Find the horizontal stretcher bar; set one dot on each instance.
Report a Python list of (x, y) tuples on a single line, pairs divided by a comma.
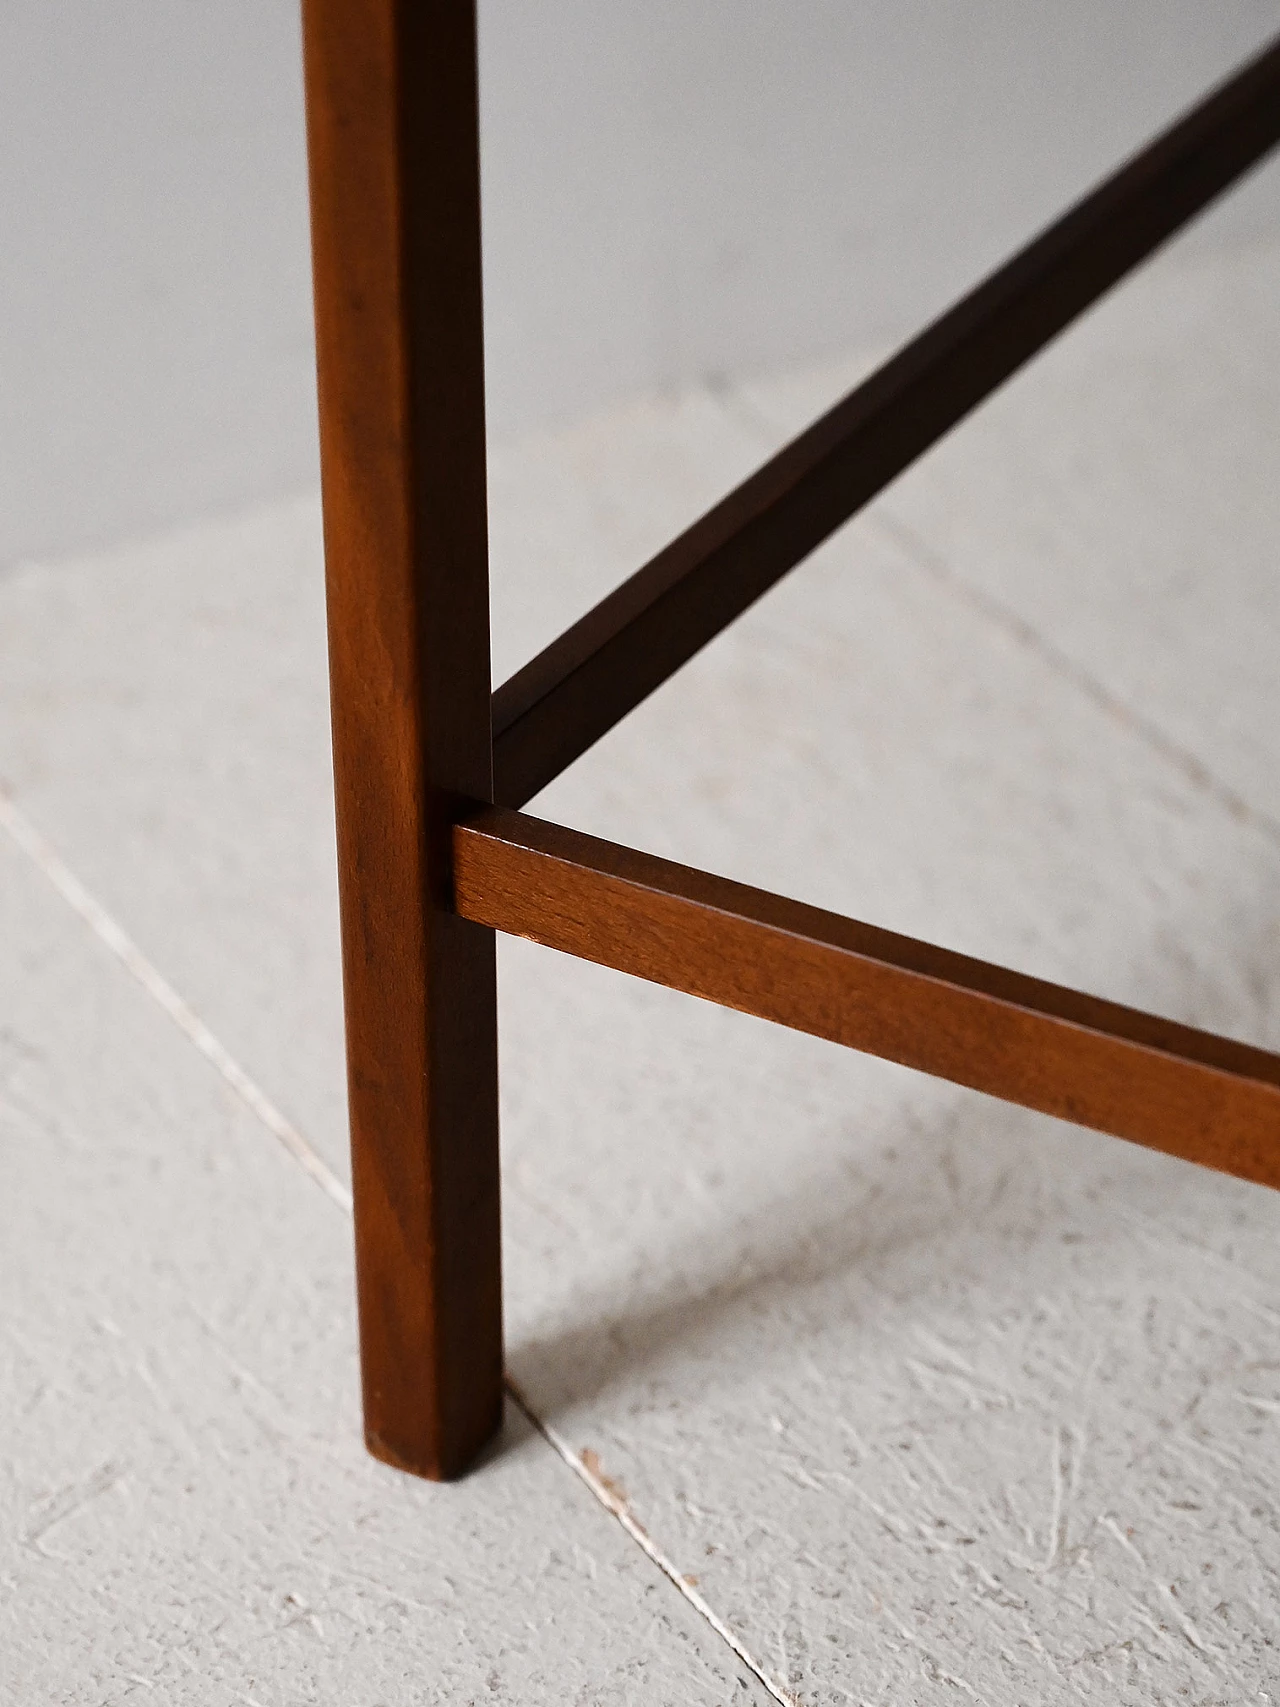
[(1188, 1093), (572, 693)]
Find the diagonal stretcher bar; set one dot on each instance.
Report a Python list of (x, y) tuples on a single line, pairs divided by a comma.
[(562, 702)]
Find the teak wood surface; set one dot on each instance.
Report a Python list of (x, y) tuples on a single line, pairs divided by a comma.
[(1169, 1087), (429, 869)]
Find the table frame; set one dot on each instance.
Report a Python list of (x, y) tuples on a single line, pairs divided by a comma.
[(431, 769)]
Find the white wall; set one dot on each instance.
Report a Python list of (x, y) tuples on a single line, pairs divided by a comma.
[(674, 187), (677, 186)]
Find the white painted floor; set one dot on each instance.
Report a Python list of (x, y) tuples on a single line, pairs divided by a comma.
[(924, 1398)]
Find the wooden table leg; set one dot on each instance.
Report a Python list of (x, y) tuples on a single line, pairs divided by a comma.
[(392, 127)]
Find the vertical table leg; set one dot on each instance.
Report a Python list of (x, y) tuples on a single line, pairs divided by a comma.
[(393, 138)]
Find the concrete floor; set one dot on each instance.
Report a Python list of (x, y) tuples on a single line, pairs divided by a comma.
[(903, 1396)]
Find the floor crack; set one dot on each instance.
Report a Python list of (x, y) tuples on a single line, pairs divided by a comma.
[(1192, 768), (36, 846), (1004, 617), (143, 971), (611, 1498)]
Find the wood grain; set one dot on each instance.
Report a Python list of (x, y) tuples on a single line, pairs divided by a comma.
[(1134, 1075), (574, 691), (392, 128)]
